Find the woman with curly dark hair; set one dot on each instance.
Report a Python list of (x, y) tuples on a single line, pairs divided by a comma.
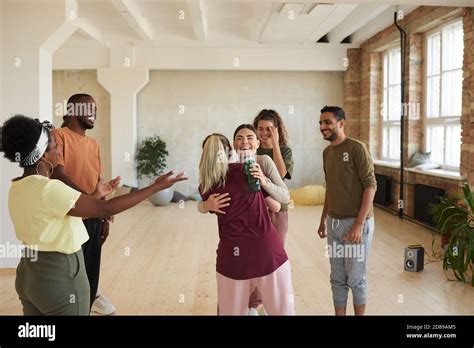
[(271, 132), (47, 218)]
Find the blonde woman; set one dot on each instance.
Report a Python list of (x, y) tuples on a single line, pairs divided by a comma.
[(250, 254)]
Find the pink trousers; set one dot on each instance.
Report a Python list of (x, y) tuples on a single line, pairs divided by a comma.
[(280, 220), (276, 290)]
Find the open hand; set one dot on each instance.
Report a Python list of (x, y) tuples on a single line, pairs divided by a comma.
[(167, 180), (216, 201), (105, 188), (275, 136)]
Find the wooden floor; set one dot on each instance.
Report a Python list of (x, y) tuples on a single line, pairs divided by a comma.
[(161, 260)]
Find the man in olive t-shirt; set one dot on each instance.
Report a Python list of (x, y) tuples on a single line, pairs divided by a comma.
[(348, 210)]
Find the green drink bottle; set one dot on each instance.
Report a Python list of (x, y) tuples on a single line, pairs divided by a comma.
[(254, 184)]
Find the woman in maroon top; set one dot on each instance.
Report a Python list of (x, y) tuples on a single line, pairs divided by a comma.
[(250, 253)]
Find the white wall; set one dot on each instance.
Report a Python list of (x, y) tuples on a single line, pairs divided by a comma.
[(218, 101), (67, 83), (24, 73)]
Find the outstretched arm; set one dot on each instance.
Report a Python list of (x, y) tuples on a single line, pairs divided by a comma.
[(87, 206)]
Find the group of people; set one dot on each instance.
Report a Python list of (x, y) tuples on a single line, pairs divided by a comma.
[(59, 206), (252, 265)]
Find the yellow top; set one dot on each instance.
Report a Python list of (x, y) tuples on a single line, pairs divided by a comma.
[(38, 208)]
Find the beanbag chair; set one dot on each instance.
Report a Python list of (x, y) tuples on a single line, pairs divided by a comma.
[(308, 195)]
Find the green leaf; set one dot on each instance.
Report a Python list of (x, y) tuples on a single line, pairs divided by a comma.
[(151, 157)]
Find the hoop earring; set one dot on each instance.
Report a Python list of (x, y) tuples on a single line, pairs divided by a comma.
[(47, 173)]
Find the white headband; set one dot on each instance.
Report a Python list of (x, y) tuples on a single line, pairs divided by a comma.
[(40, 147)]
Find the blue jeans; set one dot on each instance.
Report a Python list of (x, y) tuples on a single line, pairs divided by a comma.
[(348, 261)]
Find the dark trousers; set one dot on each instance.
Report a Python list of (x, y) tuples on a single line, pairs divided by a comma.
[(92, 251)]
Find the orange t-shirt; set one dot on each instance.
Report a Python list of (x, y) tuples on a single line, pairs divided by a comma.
[(80, 157)]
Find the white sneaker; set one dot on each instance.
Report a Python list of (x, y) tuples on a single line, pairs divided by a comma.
[(264, 312), (102, 306), (253, 311)]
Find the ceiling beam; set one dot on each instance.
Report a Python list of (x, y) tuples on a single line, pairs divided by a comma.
[(379, 23), (337, 14), (262, 16), (129, 9), (198, 19), (456, 3), (356, 20), (90, 29)]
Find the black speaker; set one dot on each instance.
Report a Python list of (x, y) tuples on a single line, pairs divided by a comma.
[(414, 258)]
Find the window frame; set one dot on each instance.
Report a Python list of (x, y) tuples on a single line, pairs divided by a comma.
[(386, 104), (444, 121)]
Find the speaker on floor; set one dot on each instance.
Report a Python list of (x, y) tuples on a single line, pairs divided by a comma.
[(414, 258)]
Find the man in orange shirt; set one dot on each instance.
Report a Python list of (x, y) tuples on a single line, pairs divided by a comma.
[(80, 167)]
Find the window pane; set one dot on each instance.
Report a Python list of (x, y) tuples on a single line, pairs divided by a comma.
[(434, 54), (435, 143), (394, 95), (453, 145), (452, 46), (394, 145), (385, 143), (394, 66), (432, 96), (451, 101), (385, 105)]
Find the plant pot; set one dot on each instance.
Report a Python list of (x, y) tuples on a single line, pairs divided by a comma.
[(445, 239), (162, 197)]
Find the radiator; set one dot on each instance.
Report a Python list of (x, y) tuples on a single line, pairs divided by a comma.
[(424, 195), (383, 196)]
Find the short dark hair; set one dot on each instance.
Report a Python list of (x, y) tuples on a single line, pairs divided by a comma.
[(242, 126), (337, 111), (19, 136), (75, 100)]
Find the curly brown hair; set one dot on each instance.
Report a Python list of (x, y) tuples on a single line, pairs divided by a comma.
[(272, 115)]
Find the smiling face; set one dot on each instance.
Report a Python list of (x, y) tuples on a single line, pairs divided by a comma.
[(246, 142), (86, 113), (329, 126), (264, 132)]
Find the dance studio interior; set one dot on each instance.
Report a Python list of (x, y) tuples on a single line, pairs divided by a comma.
[(164, 75)]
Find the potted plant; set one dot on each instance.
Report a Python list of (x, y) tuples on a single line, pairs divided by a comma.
[(456, 217), (435, 210), (151, 157)]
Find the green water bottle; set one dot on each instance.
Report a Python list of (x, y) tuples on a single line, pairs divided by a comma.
[(254, 184)]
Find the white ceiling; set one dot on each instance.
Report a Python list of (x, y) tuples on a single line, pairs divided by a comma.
[(239, 23)]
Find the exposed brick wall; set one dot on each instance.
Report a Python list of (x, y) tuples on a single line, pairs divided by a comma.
[(413, 96), (368, 60), (352, 93), (370, 99), (467, 118)]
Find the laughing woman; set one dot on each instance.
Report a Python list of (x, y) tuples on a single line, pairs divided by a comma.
[(273, 142), (250, 253), (46, 214)]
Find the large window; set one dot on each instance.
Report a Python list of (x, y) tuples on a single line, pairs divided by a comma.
[(444, 55), (391, 105)]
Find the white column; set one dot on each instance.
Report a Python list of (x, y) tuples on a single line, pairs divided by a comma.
[(123, 81), (26, 76)]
